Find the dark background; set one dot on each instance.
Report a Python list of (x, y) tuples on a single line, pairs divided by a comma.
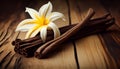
[(8, 7)]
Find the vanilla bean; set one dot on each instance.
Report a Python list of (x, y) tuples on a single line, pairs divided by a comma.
[(95, 29), (27, 51), (47, 47), (27, 47), (93, 21), (100, 18)]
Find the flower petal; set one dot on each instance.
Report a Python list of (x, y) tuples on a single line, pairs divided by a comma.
[(30, 32), (56, 15), (33, 13), (35, 32), (45, 9), (26, 21), (43, 33), (55, 29), (25, 28)]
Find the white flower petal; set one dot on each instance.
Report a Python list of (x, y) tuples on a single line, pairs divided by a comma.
[(55, 29), (44, 16), (30, 32), (56, 15), (25, 28), (43, 33), (45, 9), (26, 21), (33, 13), (35, 32)]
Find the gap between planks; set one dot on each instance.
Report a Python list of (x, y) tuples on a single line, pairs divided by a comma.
[(90, 51)]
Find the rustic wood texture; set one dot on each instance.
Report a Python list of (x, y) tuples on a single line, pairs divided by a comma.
[(90, 48), (98, 51)]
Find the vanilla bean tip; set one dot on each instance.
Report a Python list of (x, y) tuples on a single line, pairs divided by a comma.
[(106, 15), (91, 11), (13, 43), (16, 42), (38, 55)]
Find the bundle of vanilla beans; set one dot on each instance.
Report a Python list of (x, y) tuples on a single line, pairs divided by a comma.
[(35, 47)]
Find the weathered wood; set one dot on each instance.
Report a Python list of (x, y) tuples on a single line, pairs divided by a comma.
[(8, 62), (113, 48), (5, 31), (7, 47), (90, 51), (7, 35), (112, 40), (17, 63), (4, 60)]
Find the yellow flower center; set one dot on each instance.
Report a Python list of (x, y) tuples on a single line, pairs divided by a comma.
[(42, 21)]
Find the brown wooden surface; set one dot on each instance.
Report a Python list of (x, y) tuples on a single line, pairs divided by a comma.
[(98, 51)]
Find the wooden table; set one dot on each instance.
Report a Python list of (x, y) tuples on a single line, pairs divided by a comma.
[(98, 51)]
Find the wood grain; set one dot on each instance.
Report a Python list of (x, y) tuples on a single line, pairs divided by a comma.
[(90, 51), (112, 40), (6, 57), (98, 51)]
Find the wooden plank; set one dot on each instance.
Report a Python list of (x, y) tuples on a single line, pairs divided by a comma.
[(4, 31), (62, 58), (7, 55), (97, 51), (5, 59), (8, 29), (114, 46), (90, 51), (1, 26), (74, 18), (8, 61)]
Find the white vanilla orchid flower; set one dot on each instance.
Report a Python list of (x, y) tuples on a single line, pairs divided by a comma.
[(40, 22)]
